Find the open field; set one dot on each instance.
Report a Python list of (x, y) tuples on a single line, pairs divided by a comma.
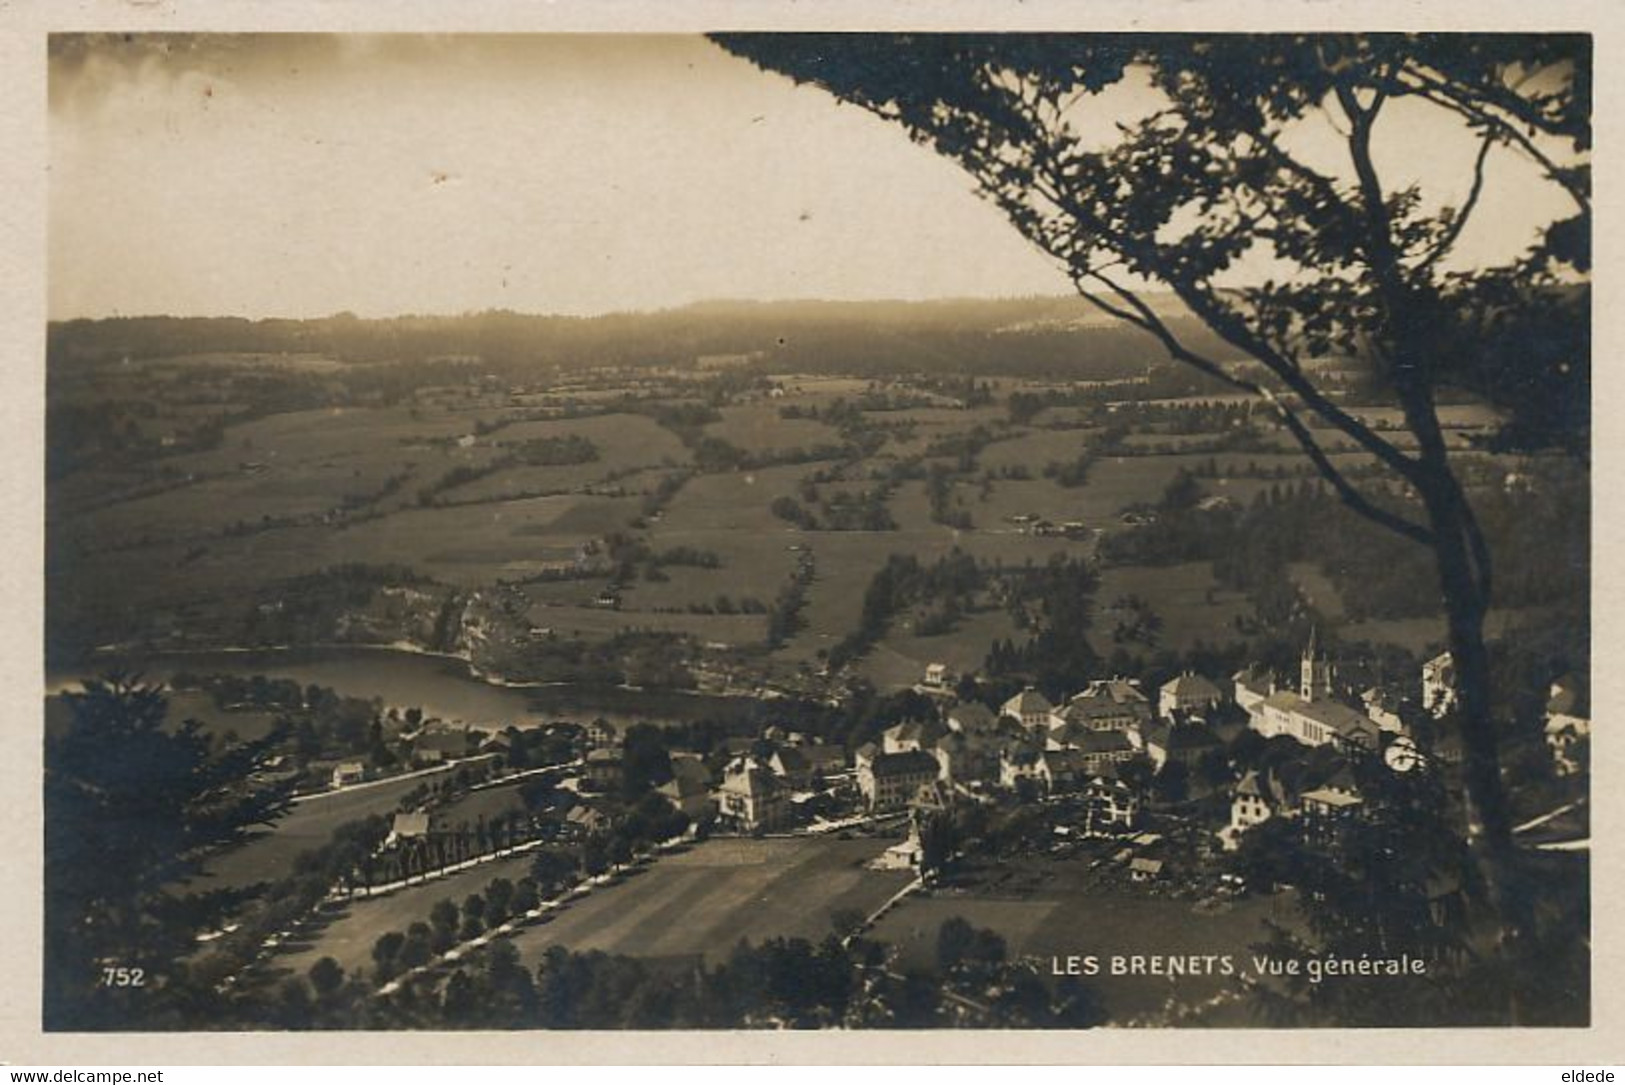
[(732, 500), (1317, 588), (699, 903), (487, 802), (846, 562), (131, 556), (595, 623), (1116, 482), (1190, 602), (1059, 913), (727, 515), (176, 562), (1034, 449), (1426, 635), (625, 443), (270, 855), (900, 659), (757, 427), (352, 929), (703, 902), (469, 546)]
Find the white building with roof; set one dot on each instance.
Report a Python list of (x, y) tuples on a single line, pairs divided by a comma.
[(1106, 704), (1030, 708), (751, 797), (1439, 685), (1188, 693)]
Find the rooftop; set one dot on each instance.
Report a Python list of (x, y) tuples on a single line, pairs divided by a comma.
[(912, 762)]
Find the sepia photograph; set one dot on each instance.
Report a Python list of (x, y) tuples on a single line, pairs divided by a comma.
[(817, 531)]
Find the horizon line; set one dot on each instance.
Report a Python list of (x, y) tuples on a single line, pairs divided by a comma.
[(956, 299)]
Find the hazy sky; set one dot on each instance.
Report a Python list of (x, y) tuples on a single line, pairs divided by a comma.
[(263, 175)]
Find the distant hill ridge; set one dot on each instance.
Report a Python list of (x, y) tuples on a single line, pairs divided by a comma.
[(1051, 336)]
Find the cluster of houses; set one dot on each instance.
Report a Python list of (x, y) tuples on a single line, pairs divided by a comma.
[(1033, 747), (434, 743), (765, 784), (1033, 524), (1567, 729), (1079, 746)]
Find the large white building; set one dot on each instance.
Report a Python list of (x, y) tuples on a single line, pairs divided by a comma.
[(1106, 704), (1308, 714), (891, 781), (751, 797), (1188, 693), (1030, 708)]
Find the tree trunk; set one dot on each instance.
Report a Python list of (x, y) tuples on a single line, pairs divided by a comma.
[(1489, 823)]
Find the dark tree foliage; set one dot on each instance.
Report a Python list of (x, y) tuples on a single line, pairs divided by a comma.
[(781, 983), (1395, 882), (133, 807), (1211, 177)]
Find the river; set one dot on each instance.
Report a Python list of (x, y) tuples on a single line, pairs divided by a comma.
[(439, 685)]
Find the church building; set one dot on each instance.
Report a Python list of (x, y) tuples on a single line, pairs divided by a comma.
[(1310, 714)]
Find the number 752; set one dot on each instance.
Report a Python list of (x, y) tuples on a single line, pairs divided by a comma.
[(124, 977)]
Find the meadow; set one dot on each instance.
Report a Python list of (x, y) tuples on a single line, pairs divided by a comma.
[(1191, 604), (1060, 910), (190, 540), (703, 902), (684, 907)]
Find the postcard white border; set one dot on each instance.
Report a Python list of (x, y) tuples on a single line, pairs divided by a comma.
[(23, 30)]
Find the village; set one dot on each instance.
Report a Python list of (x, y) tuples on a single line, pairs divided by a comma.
[(1175, 779)]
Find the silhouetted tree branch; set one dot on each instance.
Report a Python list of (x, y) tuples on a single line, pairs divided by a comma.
[(1204, 184)]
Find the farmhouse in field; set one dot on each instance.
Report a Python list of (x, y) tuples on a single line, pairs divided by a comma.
[(349, 772), (406, 827)]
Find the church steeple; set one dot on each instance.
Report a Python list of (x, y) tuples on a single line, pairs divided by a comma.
[(1315, 682)]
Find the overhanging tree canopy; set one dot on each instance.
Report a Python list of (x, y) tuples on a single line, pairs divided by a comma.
[(1207, 190)]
